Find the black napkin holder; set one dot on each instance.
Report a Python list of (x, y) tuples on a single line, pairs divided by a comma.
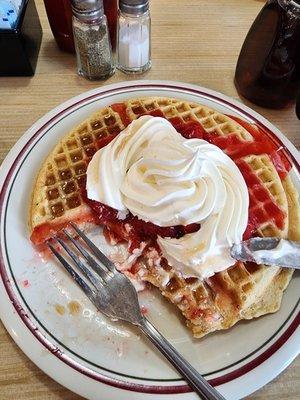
[(19, 46)]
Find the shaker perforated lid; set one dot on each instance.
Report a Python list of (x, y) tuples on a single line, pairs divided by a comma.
[(91, 8), (134, 7)]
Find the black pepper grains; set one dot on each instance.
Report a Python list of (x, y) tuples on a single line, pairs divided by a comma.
[(92, 42)]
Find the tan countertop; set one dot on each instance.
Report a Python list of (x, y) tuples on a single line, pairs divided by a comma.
[(193, 41)]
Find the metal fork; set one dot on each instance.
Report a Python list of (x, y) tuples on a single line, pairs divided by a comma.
[(114, 295)]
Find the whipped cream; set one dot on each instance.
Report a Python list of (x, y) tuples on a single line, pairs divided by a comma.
[(161, 177)]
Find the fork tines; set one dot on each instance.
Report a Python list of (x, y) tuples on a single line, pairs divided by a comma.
[(101, 268)]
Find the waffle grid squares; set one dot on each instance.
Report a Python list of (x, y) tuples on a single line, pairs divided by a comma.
[(211, 120), (263, 168), (197, 299), (218, 300), (66, 171)]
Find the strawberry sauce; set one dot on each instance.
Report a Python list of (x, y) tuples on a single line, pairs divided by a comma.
[(132, 228), (262, 207)]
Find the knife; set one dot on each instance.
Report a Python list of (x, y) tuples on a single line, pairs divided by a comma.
[(269, 251)]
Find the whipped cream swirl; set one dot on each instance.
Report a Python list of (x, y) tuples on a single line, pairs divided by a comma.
[(161, 177)]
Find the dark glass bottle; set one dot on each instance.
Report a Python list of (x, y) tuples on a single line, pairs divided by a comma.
[(59, 14), (268, 68), (298, 106), (111, 12)]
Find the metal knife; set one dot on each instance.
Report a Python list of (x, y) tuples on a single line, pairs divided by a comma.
[(269, 251)]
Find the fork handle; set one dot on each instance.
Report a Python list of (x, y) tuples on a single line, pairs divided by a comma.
[(193, 378)]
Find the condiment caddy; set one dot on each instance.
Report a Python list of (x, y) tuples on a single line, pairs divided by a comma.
[(95, 59)]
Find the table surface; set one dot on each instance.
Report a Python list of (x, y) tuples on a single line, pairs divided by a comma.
[(192, 41)]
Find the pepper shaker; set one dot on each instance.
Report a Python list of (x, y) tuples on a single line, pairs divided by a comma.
[(134, 36), (92, 42)]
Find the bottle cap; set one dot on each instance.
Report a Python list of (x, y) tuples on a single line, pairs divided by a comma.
[(134, 7), (87, 8)]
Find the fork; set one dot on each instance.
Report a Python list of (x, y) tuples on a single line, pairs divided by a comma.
[(114, 295)]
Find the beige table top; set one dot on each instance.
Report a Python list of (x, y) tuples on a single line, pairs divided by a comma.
[(193, 41)]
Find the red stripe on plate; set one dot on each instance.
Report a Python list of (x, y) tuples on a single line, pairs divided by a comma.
[(151, 389)]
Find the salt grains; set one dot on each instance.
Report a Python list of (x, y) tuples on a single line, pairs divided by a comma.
[(134, 36)]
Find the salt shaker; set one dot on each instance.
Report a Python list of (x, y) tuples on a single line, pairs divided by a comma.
[(91, 37), (134, 36)]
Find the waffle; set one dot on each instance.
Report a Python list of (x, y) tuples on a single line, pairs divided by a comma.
[(56, 195), (243, 291)]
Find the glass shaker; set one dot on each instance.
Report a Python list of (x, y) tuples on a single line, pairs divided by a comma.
[(92, 42), (268, 68), (134, 36)]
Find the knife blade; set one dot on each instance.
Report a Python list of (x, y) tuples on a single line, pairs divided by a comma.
[(269, 251)]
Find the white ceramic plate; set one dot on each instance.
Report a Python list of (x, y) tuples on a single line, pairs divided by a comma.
[(83, 350)]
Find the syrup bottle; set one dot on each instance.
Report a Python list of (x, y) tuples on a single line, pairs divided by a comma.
[(268, 68), (298, 106), (59, 14), (111, 12)]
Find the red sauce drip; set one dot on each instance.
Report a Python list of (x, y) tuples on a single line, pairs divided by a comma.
[(132, 228), (263, 144), (144, 310), (112, 237), (190, 129), (262, 208), (44, 231), (155, 113), (102, 142), (121, 109)]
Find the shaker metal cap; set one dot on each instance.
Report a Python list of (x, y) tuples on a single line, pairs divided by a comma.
[(134, 7), (90, 8)]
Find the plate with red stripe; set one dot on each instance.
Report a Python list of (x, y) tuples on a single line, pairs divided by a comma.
[(57, 327)]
